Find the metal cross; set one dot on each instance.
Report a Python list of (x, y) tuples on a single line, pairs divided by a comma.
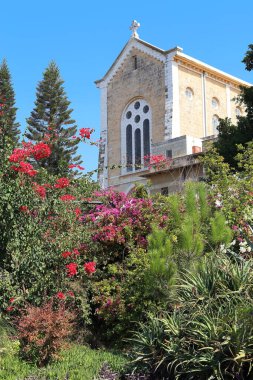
[(134, 26)]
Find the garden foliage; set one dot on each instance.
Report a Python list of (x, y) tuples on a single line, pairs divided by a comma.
[(179, 267)]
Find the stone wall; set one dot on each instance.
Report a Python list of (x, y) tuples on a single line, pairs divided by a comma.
[(146, 81)]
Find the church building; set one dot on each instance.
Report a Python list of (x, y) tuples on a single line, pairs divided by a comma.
[(159, 103)]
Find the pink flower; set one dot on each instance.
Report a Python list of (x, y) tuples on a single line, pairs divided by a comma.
[(12, 299), (70, 294), (90, 267)]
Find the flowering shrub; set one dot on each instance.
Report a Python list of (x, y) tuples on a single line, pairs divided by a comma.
[(158, 162), (38, 223), (121, 219), (43, 330)]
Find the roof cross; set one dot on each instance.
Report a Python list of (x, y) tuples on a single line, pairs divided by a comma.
[(134, 26)]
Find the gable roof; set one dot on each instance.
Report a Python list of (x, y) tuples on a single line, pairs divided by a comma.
[(133, 43), (160, 54)]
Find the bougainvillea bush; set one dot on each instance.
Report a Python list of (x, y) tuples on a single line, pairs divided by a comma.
[(140, 245), (42, 238)]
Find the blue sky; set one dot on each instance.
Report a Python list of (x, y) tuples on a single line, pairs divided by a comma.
[(84, 38)]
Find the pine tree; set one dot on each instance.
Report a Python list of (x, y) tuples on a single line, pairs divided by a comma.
[(51, 121), (9, 128)]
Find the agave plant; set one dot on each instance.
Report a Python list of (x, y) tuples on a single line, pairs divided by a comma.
[(209, 334)]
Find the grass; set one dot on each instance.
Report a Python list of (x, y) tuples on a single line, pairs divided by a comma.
[(76, 363)]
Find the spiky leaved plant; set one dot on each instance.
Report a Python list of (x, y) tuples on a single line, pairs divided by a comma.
[(209, 334)]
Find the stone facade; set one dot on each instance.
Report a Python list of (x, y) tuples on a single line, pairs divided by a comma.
[(185, 96)]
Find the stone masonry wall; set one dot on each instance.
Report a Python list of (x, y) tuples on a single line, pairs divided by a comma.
[(191, 113), (146, 81)]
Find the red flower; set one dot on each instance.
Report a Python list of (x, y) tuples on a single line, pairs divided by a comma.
[(25, 167), (61, 296), (90, 267), (76, 252), (70, 293), (85, 132), (23, 209), (12, 299), (40, 190), (67, 198), (78, 211), (80, 167), (61, 183), (71, 166), (66, 254), (10, 308), (71, 269), (19, 154), (41, 150)]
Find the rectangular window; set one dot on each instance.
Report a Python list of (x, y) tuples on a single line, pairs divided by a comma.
[(169, 153), (135, 62)]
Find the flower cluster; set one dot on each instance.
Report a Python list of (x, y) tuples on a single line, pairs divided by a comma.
[(40, 190), (10, 307), (61, 183), (19, 155), (26, 168), (158, 161), (85, 133), (66, 254), (121, 218), (63, 296), (67, 198), (41, 151), (71, 269), (37, 151), (90, 267)]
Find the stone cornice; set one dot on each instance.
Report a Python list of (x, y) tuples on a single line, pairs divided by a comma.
[(216, 74)]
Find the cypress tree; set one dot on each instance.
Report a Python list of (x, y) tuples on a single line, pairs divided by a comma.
[(51, 121), (9, 128)]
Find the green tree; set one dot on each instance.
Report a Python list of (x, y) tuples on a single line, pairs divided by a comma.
[(9, 128), (51, 121), (230, 135), (248, 59)]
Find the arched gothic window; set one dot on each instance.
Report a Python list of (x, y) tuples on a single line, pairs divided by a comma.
[(215, 123), (135, 135)]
